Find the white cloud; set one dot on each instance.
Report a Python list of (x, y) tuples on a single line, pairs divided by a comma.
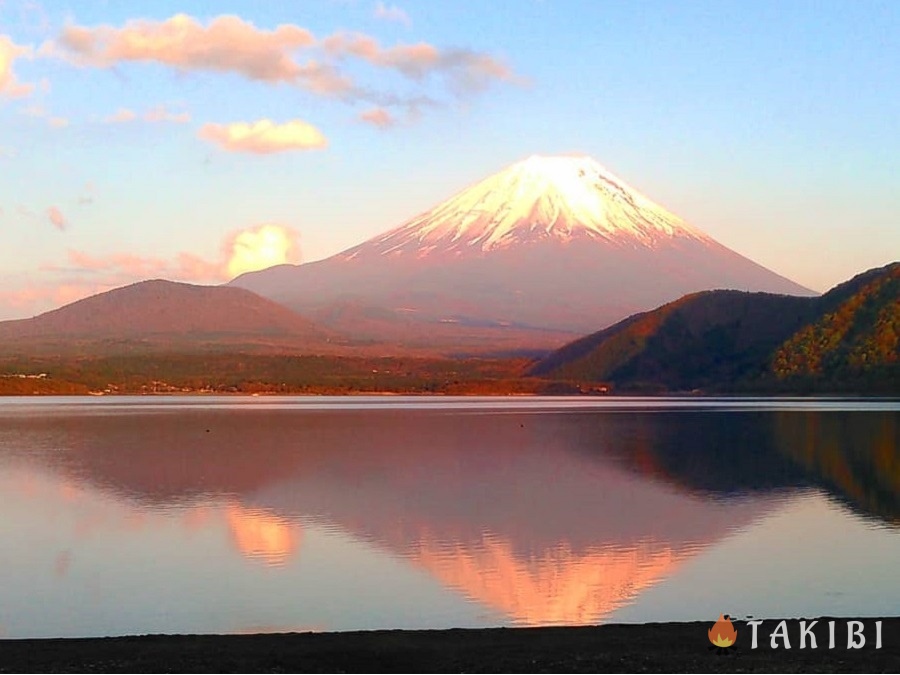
[(264, 136), (261, 247)]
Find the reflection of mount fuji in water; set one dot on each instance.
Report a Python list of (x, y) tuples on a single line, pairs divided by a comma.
[(550, 518)]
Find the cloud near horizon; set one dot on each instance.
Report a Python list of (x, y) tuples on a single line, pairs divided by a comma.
[(9, 83), (84, 274), (42, 297), (261, 247), (247, 250), (264, 136)]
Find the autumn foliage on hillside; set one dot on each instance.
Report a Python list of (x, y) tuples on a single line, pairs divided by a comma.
[(859, 337), (843, 341)]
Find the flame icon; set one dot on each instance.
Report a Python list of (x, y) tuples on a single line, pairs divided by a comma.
[(722, 634)]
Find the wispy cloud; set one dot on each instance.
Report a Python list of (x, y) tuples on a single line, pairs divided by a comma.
[(87, 197), (264, 136), (56, 217), (39, 112), (121, 116), (123, 268), (9, 84), (159, 113), (378, 117), (467, 71), (392, 13), (41, 296)]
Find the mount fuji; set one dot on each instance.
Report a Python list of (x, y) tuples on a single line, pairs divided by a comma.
[(548, 245)]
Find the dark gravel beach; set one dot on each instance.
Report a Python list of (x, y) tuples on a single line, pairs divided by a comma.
[(672, 647)]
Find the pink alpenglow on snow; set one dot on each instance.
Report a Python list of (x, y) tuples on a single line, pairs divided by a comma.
[(550, 243)]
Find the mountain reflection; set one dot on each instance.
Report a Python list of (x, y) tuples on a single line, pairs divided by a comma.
[(856, 457), (552, 518), (261, 536)]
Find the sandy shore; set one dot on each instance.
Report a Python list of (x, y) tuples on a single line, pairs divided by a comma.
[(673, 647)]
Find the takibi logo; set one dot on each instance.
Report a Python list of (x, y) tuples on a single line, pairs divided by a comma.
[(723, 634)]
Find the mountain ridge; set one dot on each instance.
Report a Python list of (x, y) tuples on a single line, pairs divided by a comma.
[(161, 310)]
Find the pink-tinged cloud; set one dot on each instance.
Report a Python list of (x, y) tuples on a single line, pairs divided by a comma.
[(162, 114), (124, 265), (121, 116), (378, 117), (226, 44), (118, 269), (85, 274), (57, 219), (246, 250), (191, 267), (229, 44), (9, 84), (264, 136), (392, 13), (31, 300)]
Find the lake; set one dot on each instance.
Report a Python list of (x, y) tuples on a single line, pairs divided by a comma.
[(128, 515)]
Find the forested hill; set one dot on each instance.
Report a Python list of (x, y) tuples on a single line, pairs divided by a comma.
[(845, 340)]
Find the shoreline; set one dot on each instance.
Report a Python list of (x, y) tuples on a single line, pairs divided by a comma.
[(418, 394), (650, 647)]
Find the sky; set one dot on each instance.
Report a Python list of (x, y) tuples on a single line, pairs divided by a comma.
[(194, 141)]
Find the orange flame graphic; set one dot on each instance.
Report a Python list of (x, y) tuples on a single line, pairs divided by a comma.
[(722, 634)]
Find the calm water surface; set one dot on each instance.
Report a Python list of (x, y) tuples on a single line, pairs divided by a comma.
[(208, 515)]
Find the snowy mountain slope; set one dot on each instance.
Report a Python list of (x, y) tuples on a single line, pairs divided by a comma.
[(550, 243), (540, 198)]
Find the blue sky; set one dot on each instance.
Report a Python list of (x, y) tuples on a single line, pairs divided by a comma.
[(773, 126)]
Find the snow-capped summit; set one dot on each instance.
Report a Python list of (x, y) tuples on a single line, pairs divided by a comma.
[(557, 197), (547, 244)]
